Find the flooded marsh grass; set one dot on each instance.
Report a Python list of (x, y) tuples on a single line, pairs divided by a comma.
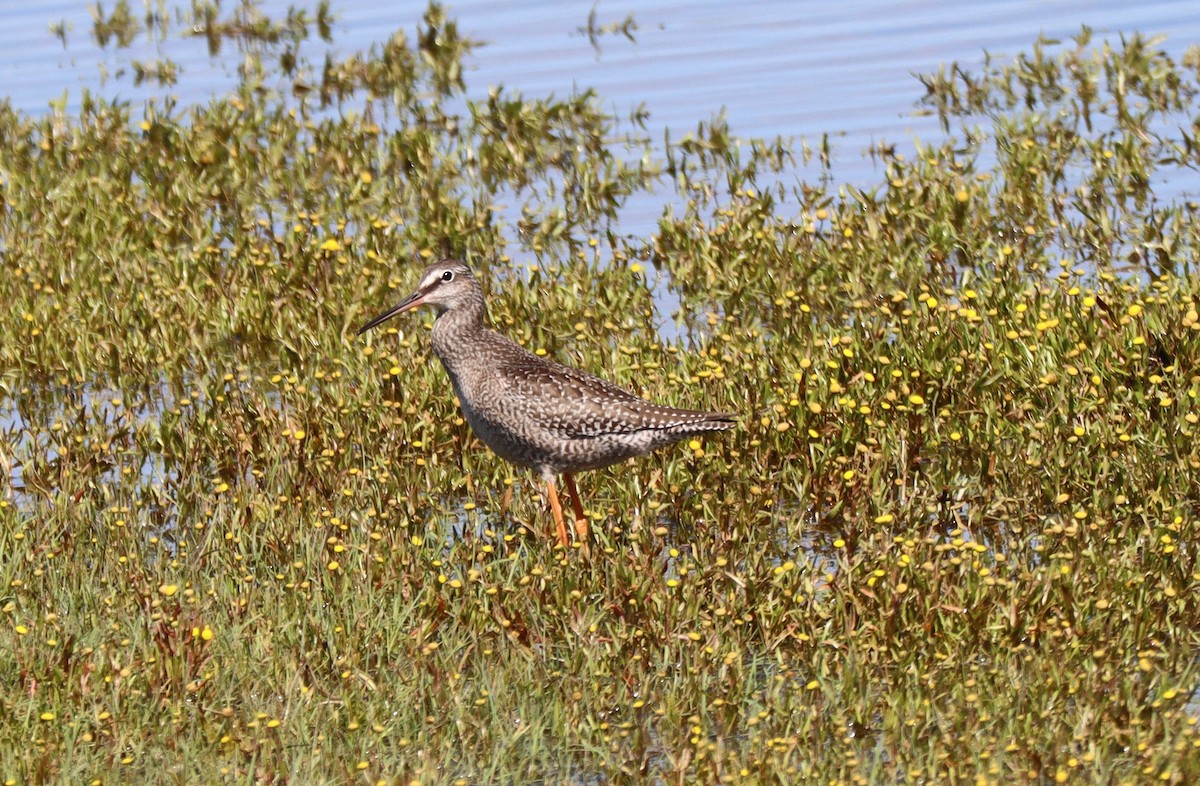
[(952, 540)]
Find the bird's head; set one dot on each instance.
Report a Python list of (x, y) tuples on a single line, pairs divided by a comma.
[(446, 285)]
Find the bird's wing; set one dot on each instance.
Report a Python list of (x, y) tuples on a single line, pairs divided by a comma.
[(579, 405)]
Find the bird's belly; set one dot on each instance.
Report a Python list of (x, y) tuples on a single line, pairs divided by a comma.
[(605, 450), (532, 445), (503, 441)]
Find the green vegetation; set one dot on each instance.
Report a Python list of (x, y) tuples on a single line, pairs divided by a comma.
[(954, 540)]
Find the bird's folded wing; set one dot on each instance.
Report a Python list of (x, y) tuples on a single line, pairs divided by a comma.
[(578, 405)]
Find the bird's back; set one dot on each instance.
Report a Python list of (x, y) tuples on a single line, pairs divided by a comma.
[(533, 411)]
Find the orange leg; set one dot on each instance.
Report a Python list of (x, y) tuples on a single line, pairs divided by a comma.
[(505, 501), (556, 508), (581, 519)]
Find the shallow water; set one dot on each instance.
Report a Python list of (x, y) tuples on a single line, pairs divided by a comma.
[(775, 68)]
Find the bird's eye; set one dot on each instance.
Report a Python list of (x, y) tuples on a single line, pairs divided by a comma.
[(448, 275)]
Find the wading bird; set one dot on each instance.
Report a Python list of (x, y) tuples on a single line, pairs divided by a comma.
[(535, 412)]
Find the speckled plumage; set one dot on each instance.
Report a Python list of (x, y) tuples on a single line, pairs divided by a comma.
[(533, 411)]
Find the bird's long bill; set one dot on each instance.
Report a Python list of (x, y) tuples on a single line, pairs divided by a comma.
[(412, 301)]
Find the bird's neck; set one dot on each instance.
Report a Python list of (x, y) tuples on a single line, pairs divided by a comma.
[(456, 333)]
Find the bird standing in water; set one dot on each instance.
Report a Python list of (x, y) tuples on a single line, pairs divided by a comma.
[(535, 412)]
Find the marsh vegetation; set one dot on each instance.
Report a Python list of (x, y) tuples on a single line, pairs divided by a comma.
[(953, 540)]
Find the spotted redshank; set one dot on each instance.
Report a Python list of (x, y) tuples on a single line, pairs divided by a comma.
[(535, 412)]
